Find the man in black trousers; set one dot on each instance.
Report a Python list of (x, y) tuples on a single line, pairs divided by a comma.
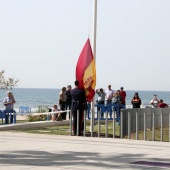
[(78, 104)]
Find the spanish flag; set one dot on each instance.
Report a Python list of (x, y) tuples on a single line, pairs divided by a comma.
[(86, 71)]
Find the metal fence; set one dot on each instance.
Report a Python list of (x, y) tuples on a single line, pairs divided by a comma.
[(131, 121), (135, 120), (109, 114)]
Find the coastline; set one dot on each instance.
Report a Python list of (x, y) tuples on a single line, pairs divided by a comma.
[(39, 97)]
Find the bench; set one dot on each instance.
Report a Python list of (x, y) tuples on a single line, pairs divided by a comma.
[(2, 115), (8, 115)]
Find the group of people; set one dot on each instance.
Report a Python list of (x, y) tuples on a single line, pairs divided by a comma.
[(136, 102), (158, 103), (109, 97), (75, 100), (65, 102), (71, 99)]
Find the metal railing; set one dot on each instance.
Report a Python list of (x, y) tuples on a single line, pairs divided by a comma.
[(144, 119), (131, 121), (109, 112)]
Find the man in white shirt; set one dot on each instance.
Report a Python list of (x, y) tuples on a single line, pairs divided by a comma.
[(154, 102), (109, 95)]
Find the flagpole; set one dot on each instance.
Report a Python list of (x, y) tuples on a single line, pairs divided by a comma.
[(94, 54)]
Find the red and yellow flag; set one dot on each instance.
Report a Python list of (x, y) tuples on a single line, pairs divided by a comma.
[(86, 71)]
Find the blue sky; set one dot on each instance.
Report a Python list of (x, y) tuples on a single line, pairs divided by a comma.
[(41, 41)]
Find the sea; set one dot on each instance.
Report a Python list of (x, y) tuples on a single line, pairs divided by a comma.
[(35, 97)]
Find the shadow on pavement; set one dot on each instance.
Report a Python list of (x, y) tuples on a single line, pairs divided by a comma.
[(69, 158)]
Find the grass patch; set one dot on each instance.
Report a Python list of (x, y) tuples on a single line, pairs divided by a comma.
[(17, 121), (35, 118), (65, 130), (149, 134), (54, 130), (21, 121)]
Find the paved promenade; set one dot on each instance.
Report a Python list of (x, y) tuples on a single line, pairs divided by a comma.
[(24, 151)]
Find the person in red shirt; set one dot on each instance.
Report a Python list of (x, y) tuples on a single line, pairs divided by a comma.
[(162, 104), (122, 93)]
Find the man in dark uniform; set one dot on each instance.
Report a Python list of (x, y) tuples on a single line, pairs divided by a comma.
[(78, 104)]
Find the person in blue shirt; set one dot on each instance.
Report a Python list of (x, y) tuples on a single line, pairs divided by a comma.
[(100, 99)]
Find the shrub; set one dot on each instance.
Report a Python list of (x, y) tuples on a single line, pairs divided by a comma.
[(34, 118)]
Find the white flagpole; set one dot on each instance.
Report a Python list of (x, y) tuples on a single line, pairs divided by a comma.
[(94, 28), (94, 54)]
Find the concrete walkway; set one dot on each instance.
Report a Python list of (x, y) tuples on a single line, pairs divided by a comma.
[(24, 151)]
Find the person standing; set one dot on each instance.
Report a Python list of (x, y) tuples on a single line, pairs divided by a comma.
[(117, 101), (68, 98), (100, 99), (136, 101), (123, 98), (9, 106), (78, 104), (109, 95), (154, 102), (62, 102)]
